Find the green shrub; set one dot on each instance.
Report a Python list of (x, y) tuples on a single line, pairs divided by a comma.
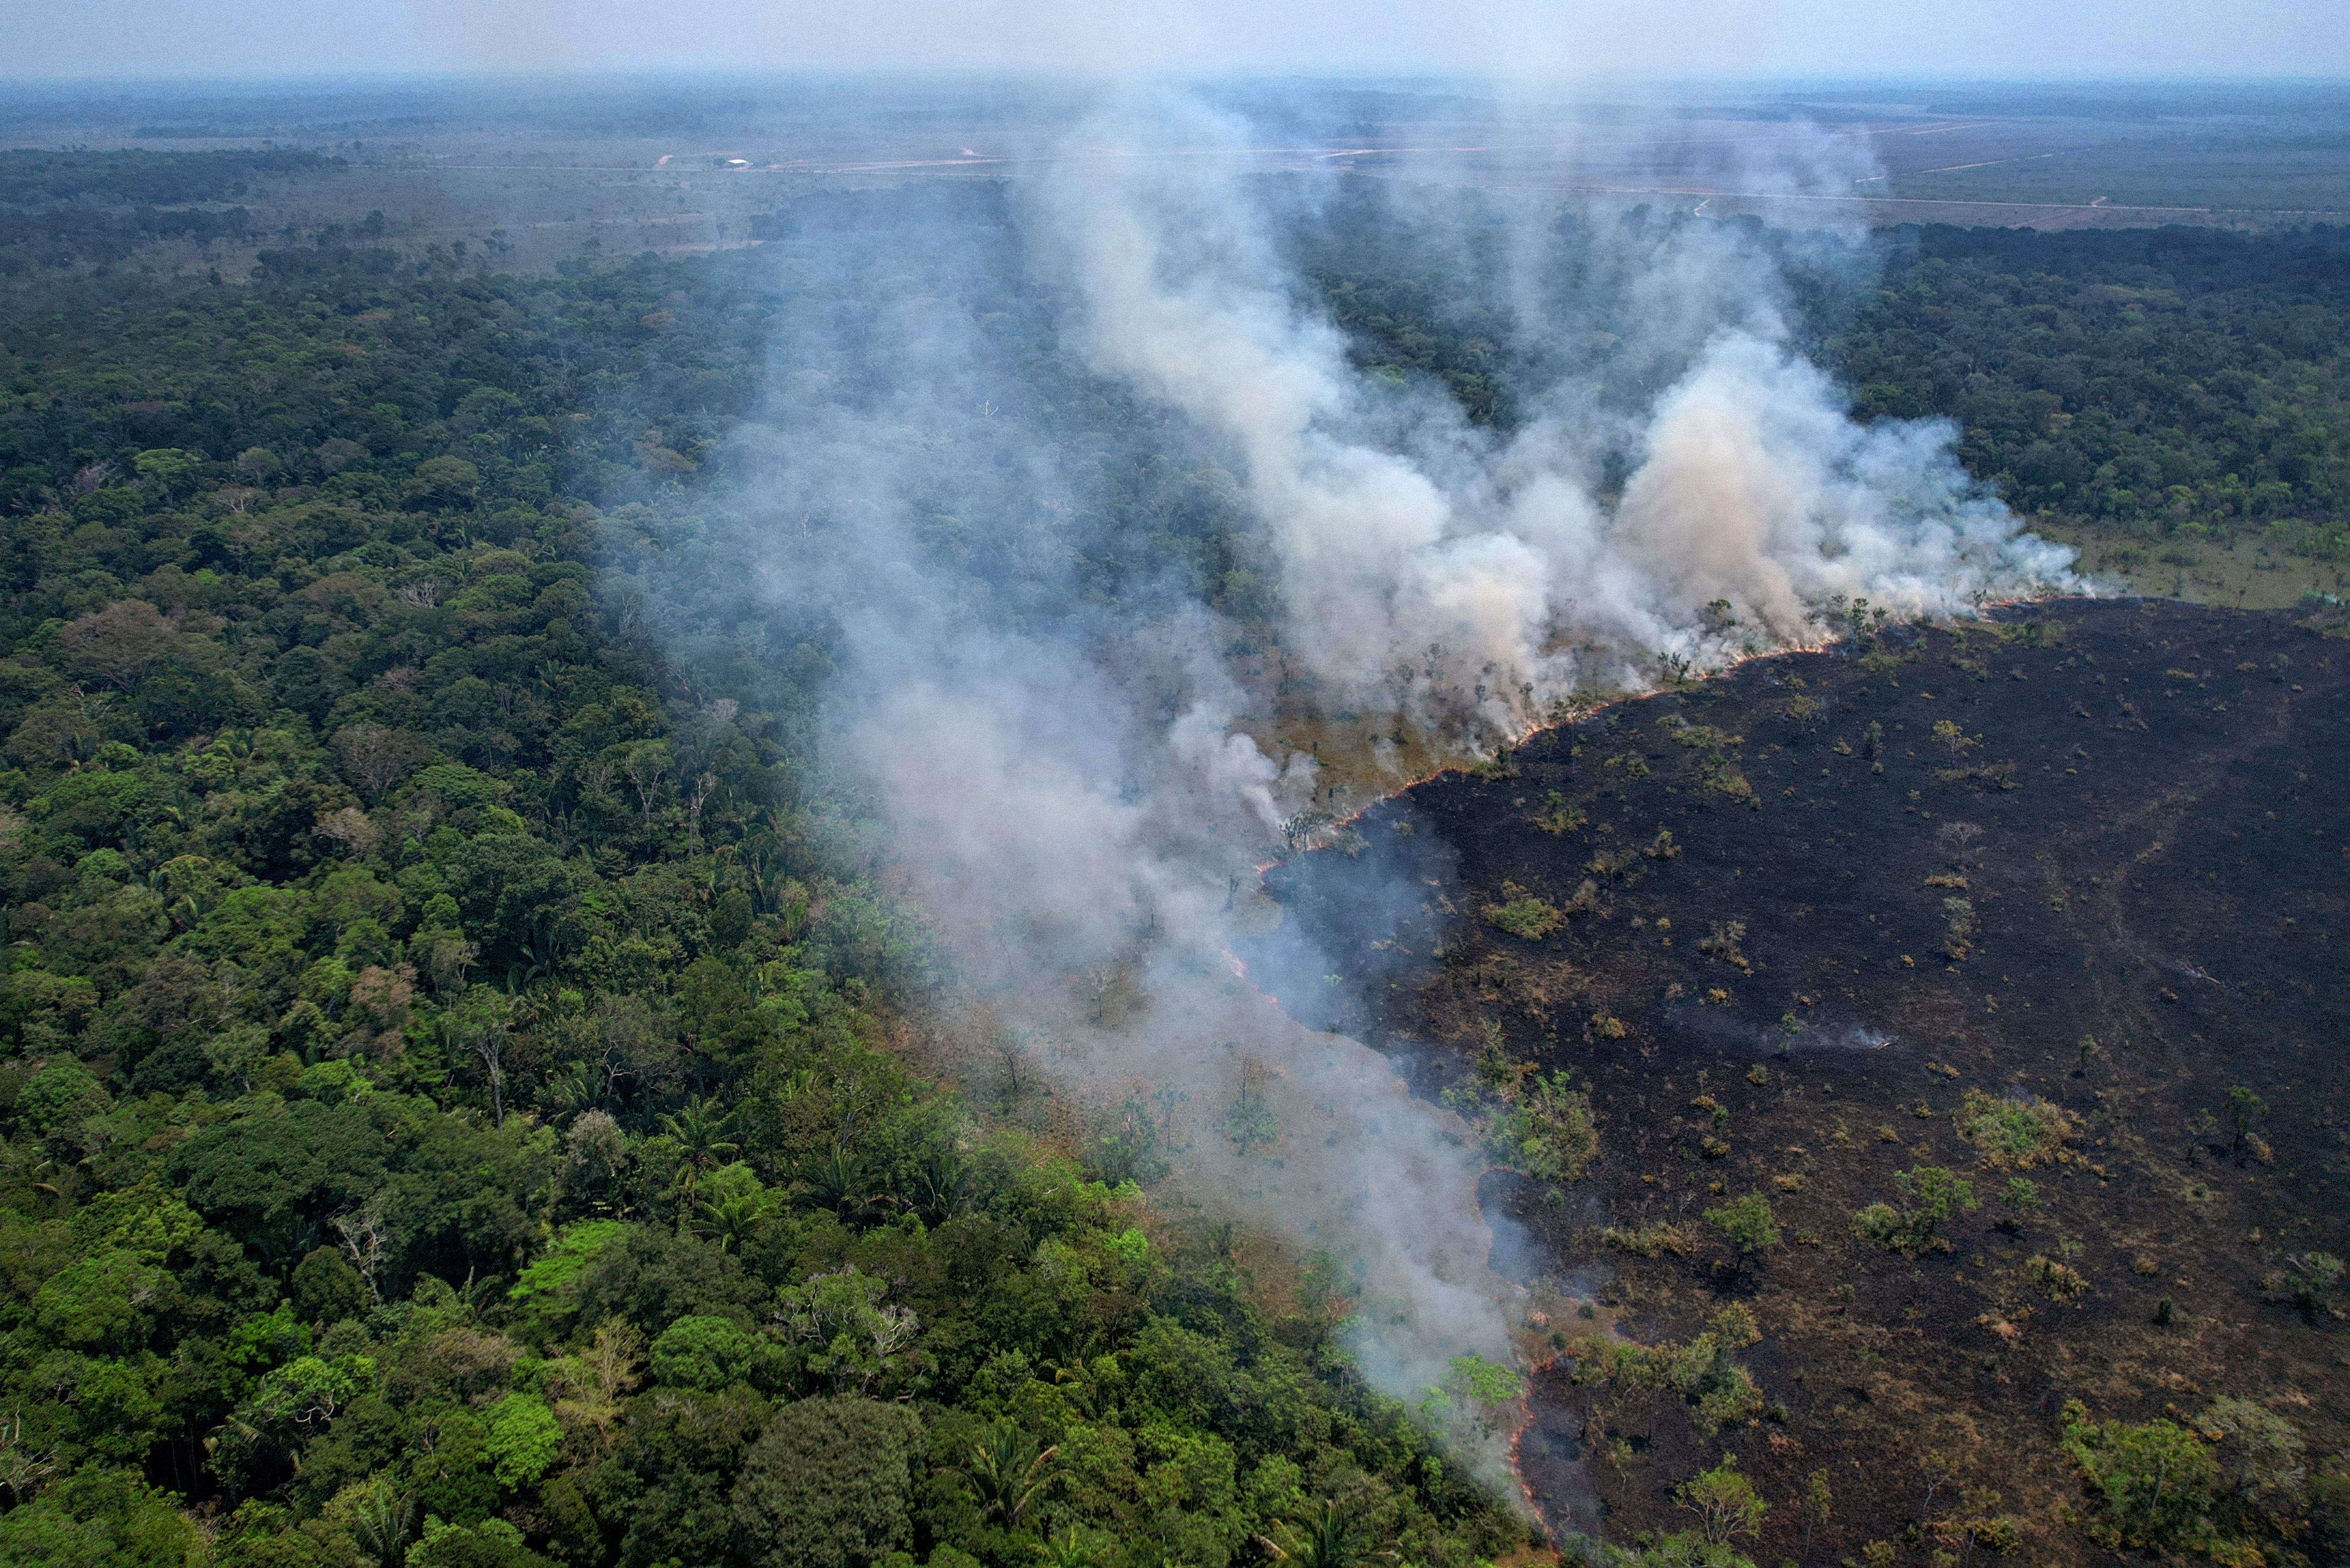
[(1722, 779), (523, 1439), (2014, 1134), (1547, 1131), (98, 1519), (1678, 1549), (1475, 1396), (1746, 1223), (490, 1543), (1720, 1392), (2308, 1281), (1724, 1501), (1558, 814), (1934, 1193), (1527, 918), (2151, 1481), (1653, 1239), (1881, 1223)]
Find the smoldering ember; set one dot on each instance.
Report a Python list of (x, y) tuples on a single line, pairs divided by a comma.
[(932, 824)]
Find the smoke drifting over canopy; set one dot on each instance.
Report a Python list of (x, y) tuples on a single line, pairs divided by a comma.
[(1043, 704), (1399, 529)]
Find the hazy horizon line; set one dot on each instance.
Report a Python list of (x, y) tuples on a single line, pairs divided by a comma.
[(328, 76)]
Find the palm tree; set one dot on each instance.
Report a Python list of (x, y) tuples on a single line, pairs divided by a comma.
[(383, 1521), (1065, 1551), (734, 1221), (840, 1184), (941, 1187), (1075, 1383), (1325, 1538), (575, 1090), (700, 1132), (1006, 1474)]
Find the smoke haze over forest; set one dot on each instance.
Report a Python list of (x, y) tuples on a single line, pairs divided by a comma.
[(1040, 760), (1047, 708)]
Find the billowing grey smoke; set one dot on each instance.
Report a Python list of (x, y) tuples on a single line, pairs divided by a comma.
[(1055, 746)]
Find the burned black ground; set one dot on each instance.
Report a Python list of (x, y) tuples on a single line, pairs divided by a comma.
[(2145, 809)]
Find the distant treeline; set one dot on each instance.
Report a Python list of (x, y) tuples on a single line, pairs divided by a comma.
[(67, 237), (75, 209), (2144, 381), (139, 178)]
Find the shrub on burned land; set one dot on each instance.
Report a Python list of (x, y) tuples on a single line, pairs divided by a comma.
[(1698, 737), (2150, 1482), (2246, 1110), (1724, 1501), (1523, 916), (2058, 1281), (1726, 781), (1558, 814), (1653, 1239), (2232, 1484), (1547, 1130), (1611, 863), (2309, 1282), (1718, 1392), (1932, 1193), (1746, 1223), (1498, 767), (2000, 775), (1958, 929), (1722, 942), (2016, 1133)]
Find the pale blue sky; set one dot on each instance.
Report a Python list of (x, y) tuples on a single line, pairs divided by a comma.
[(1535, 39)]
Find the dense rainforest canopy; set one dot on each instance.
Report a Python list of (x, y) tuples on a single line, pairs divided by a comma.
[(452, 1115), (452, 1106)]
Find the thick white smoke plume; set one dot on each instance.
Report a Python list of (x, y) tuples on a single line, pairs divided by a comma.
[(1401, 529), (1094, 864), (1061, 767)]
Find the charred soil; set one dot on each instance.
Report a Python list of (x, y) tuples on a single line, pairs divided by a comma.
[(2022, 901)]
